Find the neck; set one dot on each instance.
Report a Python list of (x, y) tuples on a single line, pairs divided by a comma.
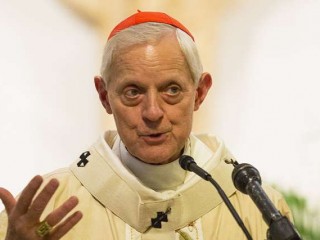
[(159, 177)]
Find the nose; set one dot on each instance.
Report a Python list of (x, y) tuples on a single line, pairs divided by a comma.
[(152, 110)]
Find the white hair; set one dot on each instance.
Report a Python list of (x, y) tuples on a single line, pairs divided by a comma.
[(150, 32)]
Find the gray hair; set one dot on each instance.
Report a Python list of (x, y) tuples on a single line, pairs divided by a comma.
[(148, 33)]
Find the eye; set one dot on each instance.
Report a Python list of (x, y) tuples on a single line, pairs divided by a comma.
[(173, 90), (131, 92)]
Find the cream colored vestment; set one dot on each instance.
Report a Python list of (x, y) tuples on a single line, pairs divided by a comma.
[(116, 206)]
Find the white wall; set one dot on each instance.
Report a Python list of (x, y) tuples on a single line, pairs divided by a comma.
[(266, 96), (49, 107)]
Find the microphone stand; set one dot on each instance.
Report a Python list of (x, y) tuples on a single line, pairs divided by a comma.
[(230, 206), (282, 229), (188, 163), (247, 179)]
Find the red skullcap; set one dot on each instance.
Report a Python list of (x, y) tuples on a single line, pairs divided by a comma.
[(142, 17)]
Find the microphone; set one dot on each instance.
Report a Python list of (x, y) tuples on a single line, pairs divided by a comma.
[(188, 163), (247, 180)]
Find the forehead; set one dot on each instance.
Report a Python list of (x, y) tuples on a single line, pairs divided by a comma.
[(161, 57)]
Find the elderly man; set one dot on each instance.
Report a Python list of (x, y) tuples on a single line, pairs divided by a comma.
[(129, 184)]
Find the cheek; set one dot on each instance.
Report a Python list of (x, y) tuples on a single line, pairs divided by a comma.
[(181, 120), (182, 113), (126, 118)]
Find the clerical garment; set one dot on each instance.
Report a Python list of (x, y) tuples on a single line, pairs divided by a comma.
[(116, 205)]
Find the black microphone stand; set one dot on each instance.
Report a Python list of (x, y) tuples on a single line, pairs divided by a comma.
[(230, 206), (188, 163), (282, 229), (247, 179)]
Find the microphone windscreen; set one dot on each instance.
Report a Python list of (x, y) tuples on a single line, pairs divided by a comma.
[(243, 174), (185, 162)]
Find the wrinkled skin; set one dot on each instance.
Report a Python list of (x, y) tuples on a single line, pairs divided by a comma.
[(24, 213), (152, 97)]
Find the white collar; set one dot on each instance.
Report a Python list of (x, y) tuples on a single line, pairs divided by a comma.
[(157, 177)]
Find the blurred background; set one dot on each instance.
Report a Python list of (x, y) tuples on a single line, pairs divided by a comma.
[(264, 57)]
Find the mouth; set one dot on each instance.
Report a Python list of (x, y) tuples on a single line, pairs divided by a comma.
[(155, 135), (154, 138)]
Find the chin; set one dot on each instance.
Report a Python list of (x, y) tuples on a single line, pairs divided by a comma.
[(162, 154), (158, 159)]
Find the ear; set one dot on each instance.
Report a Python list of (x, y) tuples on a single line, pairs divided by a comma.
[(103, 93), (204, 85)]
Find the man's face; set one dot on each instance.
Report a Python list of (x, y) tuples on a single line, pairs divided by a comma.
[(152, 97)]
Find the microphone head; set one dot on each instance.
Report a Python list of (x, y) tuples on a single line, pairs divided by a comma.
[(185, 162), (243, 174)]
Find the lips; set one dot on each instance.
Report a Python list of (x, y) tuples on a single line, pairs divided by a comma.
[(154, 134), (154, 138)]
